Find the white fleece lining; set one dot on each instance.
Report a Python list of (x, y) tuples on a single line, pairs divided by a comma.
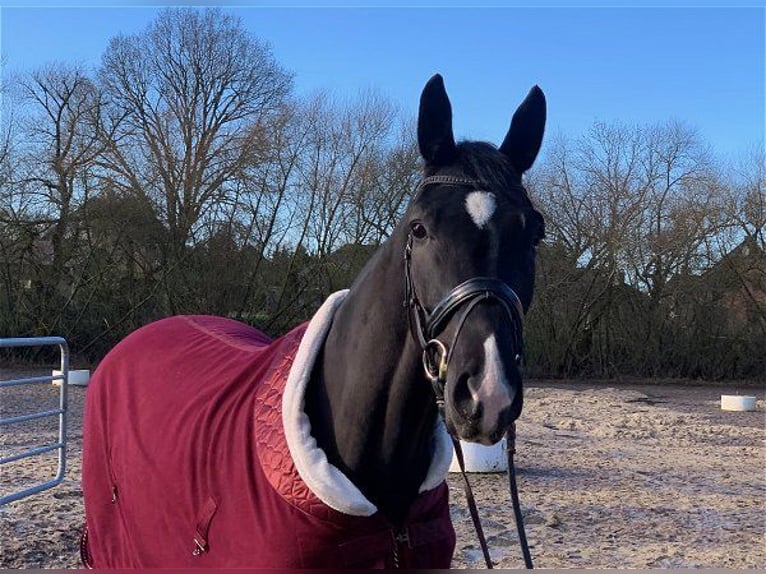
[(326, 481)]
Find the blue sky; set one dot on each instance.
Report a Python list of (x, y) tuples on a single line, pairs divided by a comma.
[(640, 64)]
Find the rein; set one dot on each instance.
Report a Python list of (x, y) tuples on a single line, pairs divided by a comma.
[(425, 328)]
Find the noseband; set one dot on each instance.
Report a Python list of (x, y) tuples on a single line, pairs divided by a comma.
[(426, 327)]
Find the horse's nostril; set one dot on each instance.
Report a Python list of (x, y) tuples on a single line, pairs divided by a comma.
[(464, 400), (462, 393)]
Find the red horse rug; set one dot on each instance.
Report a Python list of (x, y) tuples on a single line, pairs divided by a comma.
[(197, 453)]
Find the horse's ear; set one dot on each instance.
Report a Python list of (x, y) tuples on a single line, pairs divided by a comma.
[(435, 139), (525, 135)]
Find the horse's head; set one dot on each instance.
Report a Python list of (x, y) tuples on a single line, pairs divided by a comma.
[(470, 258)]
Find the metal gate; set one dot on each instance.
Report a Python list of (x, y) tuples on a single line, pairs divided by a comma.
[(60, 412)]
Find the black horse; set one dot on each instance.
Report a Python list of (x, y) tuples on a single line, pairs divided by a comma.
[(176, 471)]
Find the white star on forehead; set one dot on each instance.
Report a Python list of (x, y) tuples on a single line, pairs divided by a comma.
[(481, 207)]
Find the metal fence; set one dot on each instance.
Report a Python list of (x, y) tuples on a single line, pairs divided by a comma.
[(60, 412)]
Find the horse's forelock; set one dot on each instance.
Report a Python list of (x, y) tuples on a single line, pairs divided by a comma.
[(482, 161)]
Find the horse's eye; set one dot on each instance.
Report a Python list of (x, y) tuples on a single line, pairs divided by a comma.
[(419, 230)]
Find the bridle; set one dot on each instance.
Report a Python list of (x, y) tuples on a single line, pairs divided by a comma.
[(426, 327)]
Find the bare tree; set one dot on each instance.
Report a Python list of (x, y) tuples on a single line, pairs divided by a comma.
[(680, 211), (590, 192), (60, 145), (189, 94), (13, 248), (339, 178), (63, 130), (744, 206), (344, 163), (631, 208), (745, 203), (388, 178)]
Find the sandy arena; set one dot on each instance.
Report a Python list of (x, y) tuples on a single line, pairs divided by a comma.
[(611, 475)]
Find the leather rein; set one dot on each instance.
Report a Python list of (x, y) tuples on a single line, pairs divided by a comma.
[(425, 328)]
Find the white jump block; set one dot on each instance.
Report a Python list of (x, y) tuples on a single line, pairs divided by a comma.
[(77, 377), (737, 403), (481, 458)]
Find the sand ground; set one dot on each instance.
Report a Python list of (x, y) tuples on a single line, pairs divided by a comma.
[(611, 475)]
